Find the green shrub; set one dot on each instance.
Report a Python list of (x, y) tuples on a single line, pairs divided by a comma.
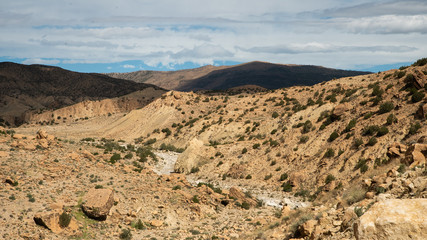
[(125, 234), (350, 125), (283, 177), (329, 153), (370, 130), (129, 156), (386, 107), (139, 225), (176, 187), (115, 158), (382, 131), (420, 62), (414, 128), (167, 131), (334, 135), (267, 177), (245, 205), (307, 127), (64, 219), (391, 119), (358, 142), (402, 168), (287, 187), (194, 169), (196, 199), (409, 78), (329, 178), (303, 139), (150, 141), (244, 150), (400, 74), (372, 141), (417, 96), (275, 115), (248, 176), (256, 146)]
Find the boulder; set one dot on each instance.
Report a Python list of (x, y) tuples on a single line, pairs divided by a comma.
[(393, 219), (307, 228), (41, 134), (49, 220), (44, 143), (97, 203), (340, 109), (415, 154), (156, 223)]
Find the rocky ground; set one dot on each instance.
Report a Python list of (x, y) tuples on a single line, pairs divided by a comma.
[(331, 161)]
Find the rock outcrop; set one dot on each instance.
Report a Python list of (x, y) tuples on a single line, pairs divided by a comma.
[(394, 219), (191, 158)]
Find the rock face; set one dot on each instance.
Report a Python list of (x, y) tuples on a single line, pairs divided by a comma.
[(394, 219), (192, 157), (97, 203)]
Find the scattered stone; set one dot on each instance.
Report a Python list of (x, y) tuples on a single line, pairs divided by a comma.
[(97, 203), (156, 223)]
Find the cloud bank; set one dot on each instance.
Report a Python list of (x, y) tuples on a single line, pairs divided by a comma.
[(332, 33)]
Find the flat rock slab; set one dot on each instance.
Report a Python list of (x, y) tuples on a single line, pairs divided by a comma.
[(97, 203)]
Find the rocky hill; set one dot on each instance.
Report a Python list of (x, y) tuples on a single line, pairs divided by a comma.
[(26, 89), (343, 159), (267, 75)]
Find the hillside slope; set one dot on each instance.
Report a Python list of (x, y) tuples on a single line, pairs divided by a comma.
[(339, 147), (30, 88), (267, 75)]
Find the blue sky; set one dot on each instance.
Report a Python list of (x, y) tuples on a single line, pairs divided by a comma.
[(131, 35)]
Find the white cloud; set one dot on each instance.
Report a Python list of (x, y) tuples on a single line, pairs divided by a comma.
[(388, 24), (40, 61), (128, 66)]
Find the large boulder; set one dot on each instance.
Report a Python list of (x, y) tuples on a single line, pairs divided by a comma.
[(191, 158), (394, 219), (97, 203)]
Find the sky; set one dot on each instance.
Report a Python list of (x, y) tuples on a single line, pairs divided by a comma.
[(132, 35)]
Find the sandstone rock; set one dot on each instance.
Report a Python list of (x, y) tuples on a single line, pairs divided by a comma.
[(97, 203), (348, 218), (44, 143), (394, 219), (370, 195), (156, 223), (414, 155), (307, 228), (340, 109), (4, 154), (74, 156), (50, 220), (286, 210), (19, 136), (41, 134)]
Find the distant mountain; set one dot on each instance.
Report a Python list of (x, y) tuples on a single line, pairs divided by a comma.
[(267, 75), (26, 88)]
